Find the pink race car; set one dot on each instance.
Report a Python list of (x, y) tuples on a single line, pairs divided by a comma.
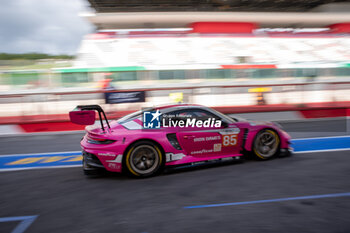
[(143, 143)]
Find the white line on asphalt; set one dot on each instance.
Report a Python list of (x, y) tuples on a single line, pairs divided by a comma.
[(39, 154), (343, 136), (30, 168), (315, 151)]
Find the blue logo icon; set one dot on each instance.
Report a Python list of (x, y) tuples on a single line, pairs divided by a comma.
[(151, 120)]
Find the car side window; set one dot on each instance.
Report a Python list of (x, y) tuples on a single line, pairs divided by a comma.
[(203, 115)]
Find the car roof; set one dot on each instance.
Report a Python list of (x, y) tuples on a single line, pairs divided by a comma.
[(165, 109), (176, 105)]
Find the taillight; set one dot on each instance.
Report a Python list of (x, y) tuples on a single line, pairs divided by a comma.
[(99, 141), (173, 141)]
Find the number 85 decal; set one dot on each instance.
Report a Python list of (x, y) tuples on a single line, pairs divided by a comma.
[(229, 140)]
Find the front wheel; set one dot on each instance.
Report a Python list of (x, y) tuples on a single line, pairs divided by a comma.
[(266, 144), (144, 159)]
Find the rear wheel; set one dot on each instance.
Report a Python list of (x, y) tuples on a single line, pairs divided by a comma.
[(266, 144), (144, 159)]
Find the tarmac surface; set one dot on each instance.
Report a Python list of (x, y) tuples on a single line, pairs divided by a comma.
[(64, 200), (63, 141)]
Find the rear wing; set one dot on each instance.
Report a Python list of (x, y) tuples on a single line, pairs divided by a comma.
[(81, 108)]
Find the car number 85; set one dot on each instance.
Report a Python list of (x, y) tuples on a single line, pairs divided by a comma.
[(229, 140)]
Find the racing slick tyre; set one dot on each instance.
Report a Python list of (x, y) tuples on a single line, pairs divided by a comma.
[(144, 159), (266, 144)]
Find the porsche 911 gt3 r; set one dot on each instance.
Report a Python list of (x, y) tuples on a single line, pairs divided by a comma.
[(143, 143)]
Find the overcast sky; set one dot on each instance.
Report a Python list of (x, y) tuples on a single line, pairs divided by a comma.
[(47, 26)]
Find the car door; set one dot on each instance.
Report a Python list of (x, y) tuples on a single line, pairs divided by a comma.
[(208, 141)]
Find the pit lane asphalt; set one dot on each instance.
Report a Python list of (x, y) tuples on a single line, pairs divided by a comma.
[(66, 201), (36, 143)]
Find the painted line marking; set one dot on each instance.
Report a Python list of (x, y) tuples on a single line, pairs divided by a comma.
[(319, 151), (342, 136), (44, 167), (42, 160), (270, 200), (48, 153), (26, 221), (73, 158), (321, 144)]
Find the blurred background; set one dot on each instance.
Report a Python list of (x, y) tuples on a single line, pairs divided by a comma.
[(276, 60), (233, 55)]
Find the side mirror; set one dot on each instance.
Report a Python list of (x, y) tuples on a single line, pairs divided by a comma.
[(83, 117)]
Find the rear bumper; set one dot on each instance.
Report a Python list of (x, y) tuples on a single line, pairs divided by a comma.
[(108, 157), (91, 162)]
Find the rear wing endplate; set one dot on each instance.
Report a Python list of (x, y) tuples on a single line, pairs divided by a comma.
[(100, 111)]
